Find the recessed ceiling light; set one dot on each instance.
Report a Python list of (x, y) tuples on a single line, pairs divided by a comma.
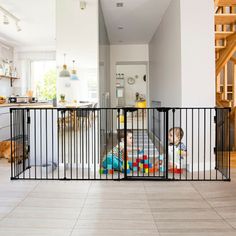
[(119, 4), (120, 27)]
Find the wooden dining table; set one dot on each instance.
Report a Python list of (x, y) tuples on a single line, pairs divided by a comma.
[(72, 117)]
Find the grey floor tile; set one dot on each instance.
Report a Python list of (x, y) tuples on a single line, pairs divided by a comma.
[(33, 232), (192, 225), (226, 212), (87, 232), (116, 214), (50, 203), (45, 213), (105, 224), (11, 222), (113, 204), (178, 203), (185, 214)]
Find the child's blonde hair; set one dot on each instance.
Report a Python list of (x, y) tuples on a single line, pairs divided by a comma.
[(178, 132)]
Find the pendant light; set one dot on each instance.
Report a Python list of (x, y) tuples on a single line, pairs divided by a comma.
[(64, 72), (73, 72)]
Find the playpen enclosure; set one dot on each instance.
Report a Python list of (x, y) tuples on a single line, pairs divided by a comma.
[(71, 144)]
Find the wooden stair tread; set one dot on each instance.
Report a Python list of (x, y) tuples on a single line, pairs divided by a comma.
[(218, 48), (225, 3), (222, 35), (225, 19)]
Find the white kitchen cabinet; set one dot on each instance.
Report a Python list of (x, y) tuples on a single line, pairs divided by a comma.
[(4, 123)]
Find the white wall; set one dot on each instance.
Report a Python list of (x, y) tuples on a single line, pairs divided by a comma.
[(139, 85), (77, 36), (182, 61), (124, 53), (165, 59), (197, 53), (6, 52), (104, 62)]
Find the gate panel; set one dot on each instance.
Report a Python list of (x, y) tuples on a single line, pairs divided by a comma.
[(120, 143), (146, 156)]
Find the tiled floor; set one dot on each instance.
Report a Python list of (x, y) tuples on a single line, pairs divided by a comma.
[(36, 208)]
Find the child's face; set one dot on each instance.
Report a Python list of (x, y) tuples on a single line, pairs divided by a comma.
[(173, 138), (129, 139)]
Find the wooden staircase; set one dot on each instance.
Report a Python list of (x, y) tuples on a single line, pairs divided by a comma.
[(225, 52)]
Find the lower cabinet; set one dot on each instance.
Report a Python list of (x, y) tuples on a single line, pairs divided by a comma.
[(4, 123)]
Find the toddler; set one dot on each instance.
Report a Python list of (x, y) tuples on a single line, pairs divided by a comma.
[(177, 150), (116, 156)]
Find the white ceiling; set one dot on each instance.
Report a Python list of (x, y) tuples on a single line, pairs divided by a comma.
[(140, 19), (37, 23)]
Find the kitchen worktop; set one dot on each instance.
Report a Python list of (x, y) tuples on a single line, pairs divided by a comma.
[(25, 104)]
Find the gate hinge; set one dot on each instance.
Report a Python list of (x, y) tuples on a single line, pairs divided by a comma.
[(215, 119), (214, 150)]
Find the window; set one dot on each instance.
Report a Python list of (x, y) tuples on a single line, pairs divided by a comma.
[(43, 79)]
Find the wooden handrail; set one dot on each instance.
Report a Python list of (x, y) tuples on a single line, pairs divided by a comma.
[(226, 53)]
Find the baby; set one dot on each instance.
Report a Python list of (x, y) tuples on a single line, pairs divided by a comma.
[(116, 156), (177, 150)]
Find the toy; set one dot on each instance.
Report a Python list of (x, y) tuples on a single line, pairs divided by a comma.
[(106, 171), (176, 171)]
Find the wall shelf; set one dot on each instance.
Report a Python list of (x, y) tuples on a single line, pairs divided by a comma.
[(9, 77)]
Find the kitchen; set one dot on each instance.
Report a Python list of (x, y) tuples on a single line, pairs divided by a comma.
[(31, 59)]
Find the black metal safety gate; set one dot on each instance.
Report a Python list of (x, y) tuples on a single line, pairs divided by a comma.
[(120, 143)]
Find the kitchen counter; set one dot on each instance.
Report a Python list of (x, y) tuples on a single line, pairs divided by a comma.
[(43, 104)]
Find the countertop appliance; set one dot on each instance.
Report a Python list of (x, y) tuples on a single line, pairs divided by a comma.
[(18, 99)]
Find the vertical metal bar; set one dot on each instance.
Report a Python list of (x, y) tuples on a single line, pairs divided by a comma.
[(138, 139), (173, 113), (125, 144), (23, 131), (106, 141), (83, 151), (192, 141), (99, 141), (228, 120), (204, 148), (180, 161), (186, 168), (223, 143), (86, 138), (52, 144), (166, 142), (147, 112), (70, 141), (41, 148), (58, 144), (154, 142), (89, 143), (64, 142), (118, 137), (143, 137), (216, 141), (46, 134), (12, 155), (76, 159), (198, 136), (35, 146), (210, 139), (94, 146), (112, 141)]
